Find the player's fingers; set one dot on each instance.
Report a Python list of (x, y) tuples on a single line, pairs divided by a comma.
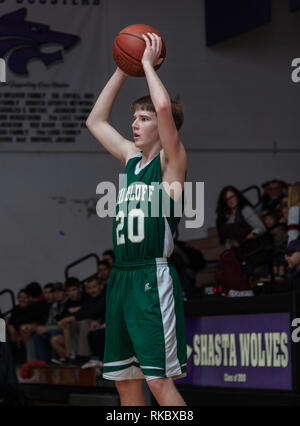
[(147, 41), (159, 42), (148, 44), (153, 41), (156, 42)]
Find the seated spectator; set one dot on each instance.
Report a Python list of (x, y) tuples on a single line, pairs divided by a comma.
[(45, 332), (233, 208), (274, 190), (36, 314), (96, 342), (292, 256), (34, 292), (109, 256), (293, 221), (279, 232), (284, 210), (13, 323), (77, 326), (76, 299), (104, 270), (243, 232)]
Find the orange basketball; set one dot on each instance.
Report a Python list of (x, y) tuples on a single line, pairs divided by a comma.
[(129, 47)]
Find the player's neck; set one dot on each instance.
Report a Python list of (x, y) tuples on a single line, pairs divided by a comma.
[(149, 155)]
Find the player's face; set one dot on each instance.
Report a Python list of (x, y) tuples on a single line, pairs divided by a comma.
[(145, 128)]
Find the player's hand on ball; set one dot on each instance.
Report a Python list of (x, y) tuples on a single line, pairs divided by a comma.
[(153, 49)]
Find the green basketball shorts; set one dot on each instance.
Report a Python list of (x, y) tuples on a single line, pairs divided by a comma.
[(145, 329)]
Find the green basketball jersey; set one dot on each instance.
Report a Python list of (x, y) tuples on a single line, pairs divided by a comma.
[(146, 217)]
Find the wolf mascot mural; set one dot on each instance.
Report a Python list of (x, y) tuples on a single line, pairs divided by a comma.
[(21, 41)]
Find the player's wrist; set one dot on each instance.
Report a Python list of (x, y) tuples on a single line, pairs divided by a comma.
[(147, 64), (121, 73)]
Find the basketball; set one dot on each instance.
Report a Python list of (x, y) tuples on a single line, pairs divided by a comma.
[(129, 46)]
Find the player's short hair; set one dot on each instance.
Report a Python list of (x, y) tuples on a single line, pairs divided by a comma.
[(145, 103)]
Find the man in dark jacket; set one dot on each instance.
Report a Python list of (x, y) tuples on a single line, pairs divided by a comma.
[(9, 391), (78, 324), (36, 314)]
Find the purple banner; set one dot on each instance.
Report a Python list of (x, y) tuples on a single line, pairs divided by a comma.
[(242, 351)]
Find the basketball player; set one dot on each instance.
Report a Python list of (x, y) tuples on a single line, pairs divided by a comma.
[(145, 331)]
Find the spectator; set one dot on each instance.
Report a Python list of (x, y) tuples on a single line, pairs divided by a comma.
[(274, 190), (96, 335), (13, 323), (243, 232), (48, 293), (293, 221), (77, 326), (45, 332), (104, 269), (96, 342), (109, 256), (36, 315), (234, 209), (292, 256), (76, 299), (34, 292), (279, 232), (284, 210), (60, 298)]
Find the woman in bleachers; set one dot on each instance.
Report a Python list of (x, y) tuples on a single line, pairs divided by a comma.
[(241, 230), (236, 218)]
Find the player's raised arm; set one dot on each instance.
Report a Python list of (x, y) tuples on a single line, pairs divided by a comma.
[(172, 146), (98, 120)]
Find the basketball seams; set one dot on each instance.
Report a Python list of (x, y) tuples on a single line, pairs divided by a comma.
[(132, 35), (127, 54)]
